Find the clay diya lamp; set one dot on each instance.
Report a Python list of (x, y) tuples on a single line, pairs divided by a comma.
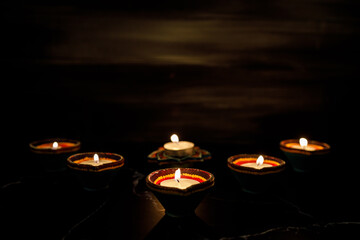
[(180, 190), (52, 153), (160, 158), (95, 171), (178, 154), (256, 173), (304, 155)]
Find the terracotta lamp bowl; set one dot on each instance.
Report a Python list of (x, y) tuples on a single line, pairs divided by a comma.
[(180, 202), (302, 160), (257, 180), (93, 178), (53, 159)]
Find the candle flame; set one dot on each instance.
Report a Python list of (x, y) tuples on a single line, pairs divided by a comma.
[(260, 160), (55, 145), (96, 158), (177, 175), (303, 142), (174, 138)]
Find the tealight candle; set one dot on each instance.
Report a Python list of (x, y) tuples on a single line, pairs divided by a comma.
[(178, 148), (95, 170), (299, 152), (180, 190), (53, 152), (256, 173)]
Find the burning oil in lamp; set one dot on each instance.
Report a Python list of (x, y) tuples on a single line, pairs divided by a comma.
[(304, 155), (180, 190), (178, 182), (95, 171), (52, 153), (256, 173)]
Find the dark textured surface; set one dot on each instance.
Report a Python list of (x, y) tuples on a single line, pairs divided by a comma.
[(308, 206)]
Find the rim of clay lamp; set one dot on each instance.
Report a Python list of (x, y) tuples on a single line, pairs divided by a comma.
[(33, 146), (119, 161), (202, 186), (266, 170), (283, 147)]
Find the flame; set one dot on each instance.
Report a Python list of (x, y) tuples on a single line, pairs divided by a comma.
[(260, 160), (96, 158), (55, 145), (177, 175), (174, 138), (303, 142)]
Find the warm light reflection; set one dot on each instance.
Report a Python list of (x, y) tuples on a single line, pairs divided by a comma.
[(303, 142), (174, 138), (260, 160), (55, 145), (96, 158), (177, 175)]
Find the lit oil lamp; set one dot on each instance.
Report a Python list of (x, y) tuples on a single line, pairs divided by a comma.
[(178, 182), (256, 173), (95, 170), (180, 190), (52, 153), (304, 155)]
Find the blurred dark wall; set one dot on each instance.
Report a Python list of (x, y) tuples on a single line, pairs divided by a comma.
[(240, 72)]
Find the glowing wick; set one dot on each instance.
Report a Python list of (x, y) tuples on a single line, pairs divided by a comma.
[(303, 142), (96, 158), (260, 160), (55, 145), (174, 138), (177, 175)]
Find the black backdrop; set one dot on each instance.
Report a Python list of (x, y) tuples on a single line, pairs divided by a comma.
[(134, 72)]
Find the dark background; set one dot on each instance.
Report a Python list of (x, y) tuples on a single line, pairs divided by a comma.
[(213, 72), (233, 77)]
